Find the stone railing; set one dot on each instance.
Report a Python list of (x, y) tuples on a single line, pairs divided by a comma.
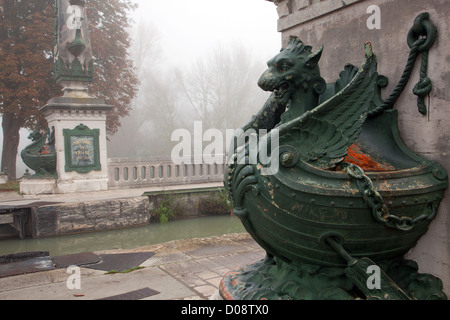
[(142, 172)]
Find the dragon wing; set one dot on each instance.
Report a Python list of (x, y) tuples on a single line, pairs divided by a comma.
[(322, 136)]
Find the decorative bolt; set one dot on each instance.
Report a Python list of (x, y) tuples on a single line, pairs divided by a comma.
[(440, 174), (287, 159)]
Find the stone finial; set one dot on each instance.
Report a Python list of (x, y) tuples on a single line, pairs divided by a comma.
[(74, 66)]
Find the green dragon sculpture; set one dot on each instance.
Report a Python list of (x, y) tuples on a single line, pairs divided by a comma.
[(40, 155), (348, 194)]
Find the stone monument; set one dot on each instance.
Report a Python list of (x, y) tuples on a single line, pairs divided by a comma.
[(71, 156), (349, 199), (385, 23)]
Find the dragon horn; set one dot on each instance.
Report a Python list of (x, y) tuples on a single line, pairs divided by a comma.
[(313, 58)]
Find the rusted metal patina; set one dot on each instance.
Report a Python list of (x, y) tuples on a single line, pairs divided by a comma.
[(348, 193)]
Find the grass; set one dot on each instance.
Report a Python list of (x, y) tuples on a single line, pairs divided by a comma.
[(124, 271), (167, 210), (10, 186), (170, 206), (216, 203)]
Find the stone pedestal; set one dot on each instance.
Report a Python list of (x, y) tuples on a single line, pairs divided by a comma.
[(80, 142), (3, 178), (38, 186), (79, 124), (73, 157)]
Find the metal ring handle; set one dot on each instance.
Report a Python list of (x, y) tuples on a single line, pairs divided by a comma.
[(425, 28)]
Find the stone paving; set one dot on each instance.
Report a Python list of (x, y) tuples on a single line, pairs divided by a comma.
[(13, 198), (179, 270)]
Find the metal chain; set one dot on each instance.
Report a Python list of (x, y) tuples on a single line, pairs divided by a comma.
[(374, 200), (421, 38)]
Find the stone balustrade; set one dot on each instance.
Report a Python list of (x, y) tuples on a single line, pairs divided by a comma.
[(161, 171)]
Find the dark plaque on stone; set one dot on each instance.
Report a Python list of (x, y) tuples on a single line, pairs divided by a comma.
[(82, 149)]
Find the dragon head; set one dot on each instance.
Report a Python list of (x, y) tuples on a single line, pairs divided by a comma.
[(294, 68), (35, 135)]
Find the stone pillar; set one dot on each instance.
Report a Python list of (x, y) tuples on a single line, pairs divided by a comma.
[(342, 27), (76, 120), (80, 143)]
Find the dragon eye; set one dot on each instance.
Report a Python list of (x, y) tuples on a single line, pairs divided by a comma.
[(285, 67)]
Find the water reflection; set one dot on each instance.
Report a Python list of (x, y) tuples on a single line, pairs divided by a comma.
[(126, 238)]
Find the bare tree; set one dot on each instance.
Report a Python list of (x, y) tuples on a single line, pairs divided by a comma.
[(154, 106), (222, 89)]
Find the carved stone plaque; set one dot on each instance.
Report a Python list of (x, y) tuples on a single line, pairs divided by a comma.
[(82, 149)]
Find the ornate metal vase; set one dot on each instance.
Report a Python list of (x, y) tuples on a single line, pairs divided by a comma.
[(348, 195)]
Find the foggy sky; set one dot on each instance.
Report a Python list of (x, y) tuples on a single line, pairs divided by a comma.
[(188, 28), (191, 27)]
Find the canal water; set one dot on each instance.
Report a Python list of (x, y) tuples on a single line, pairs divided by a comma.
[(127, 238)]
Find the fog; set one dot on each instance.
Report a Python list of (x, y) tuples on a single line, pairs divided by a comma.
[(197, 60), (188, 29)]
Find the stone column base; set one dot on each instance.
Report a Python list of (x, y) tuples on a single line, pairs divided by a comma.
[(53, 186), (88, 185), (38, 186)]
